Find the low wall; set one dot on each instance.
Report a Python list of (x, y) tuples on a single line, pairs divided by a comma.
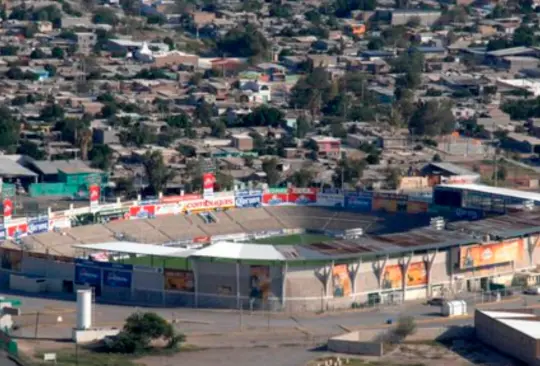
[(351, 343), (92, 335)]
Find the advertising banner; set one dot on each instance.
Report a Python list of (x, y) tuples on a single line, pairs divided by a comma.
[(17, 231), (248, 198), (111, 214), (275, 199), (330, 199), (259, 282), (142, 212), (209, 204), (59, 223), (489, 254), (208, 184), (179, 280), (2, 233), (165, 209), (85, 275), (8, 209), (182, 198), (115, 278), (393, 275), (341, 280), (359, 201), (94, 191), (202, 239), (417, 207), (384, 204), (38, 225), (302, 196)]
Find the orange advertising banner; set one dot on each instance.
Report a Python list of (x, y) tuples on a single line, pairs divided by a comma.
[(393, 275), (179, 280), (341, 280), (480, 255)]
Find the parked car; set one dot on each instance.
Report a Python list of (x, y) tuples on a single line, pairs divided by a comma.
[(435, 301), (532, 291)]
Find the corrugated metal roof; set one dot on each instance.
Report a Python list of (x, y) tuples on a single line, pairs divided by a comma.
[(11, 168), (241, 251)]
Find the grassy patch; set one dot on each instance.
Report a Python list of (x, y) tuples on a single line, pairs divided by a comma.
[(293, 239), (83, 357)]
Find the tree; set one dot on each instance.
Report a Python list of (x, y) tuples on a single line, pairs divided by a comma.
[(101, 156), (375, 43), (58, 53), (224, 181), (169, 41), (51, 112), (405, 327), (302, 127), (140, 330), (433, 118), (9, 129), (436, 158), (105, 16), (51, 69), (264, 116), (280, 11), (337, 130), (138, 135), (270, 167), (524, 36), (157, 172), (178, 120), (218, 129), (204, 113), (343, 8), (244, 41), (302, 178), (348, 171), (38, 54), (312, 91)]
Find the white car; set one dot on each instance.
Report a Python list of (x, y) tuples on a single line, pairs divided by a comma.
[(532, 291)]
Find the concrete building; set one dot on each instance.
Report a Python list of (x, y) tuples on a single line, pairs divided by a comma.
[(512, 332)]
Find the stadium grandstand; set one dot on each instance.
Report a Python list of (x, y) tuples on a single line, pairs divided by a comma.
[(326, 249)]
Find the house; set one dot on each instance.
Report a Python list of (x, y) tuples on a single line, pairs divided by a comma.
[(85, 42), (255, 92), (327, 146), (403, 16), (521, 142)]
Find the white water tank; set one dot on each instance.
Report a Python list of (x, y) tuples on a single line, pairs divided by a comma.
[(84, 309), (454, 308)]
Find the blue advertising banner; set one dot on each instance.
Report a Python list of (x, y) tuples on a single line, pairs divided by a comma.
[(359, 201), (115, 278), (90, 263), (248, 201), (38, 225), (88, 275), (2, 233), (248, 192)]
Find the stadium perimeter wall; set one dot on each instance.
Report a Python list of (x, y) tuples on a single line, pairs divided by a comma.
[(286, 286)]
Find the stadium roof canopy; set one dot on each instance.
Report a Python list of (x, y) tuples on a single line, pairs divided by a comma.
[(495, 190), (240, 251), (137, 248)]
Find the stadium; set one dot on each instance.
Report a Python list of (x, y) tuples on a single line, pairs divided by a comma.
[(281, 249)]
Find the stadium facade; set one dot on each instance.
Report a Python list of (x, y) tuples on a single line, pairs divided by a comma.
[(398, 256)]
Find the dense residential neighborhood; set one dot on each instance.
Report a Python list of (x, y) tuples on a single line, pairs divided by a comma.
[(355, 94)]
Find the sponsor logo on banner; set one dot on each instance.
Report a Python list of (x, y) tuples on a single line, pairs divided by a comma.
[(185, 197), (201, 239), (248, 192), (94, 195), (302, 196), (142, 212), (17, 231), (179, 280), (359, 201), (208, 184), (480, 255), (8, 209), (168, 209), (393, 275), (330, 199), (249, 201), (114, 278), (274, 199), (38, 225), (209, 204), (85, 275)]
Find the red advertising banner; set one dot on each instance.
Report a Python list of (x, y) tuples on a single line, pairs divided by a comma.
[(201, 239), (17, 230), (208, 184), (274, 199), (142, 212), (302, 196), (209, 204), (182, 198), (93, 193), (8, 209)]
